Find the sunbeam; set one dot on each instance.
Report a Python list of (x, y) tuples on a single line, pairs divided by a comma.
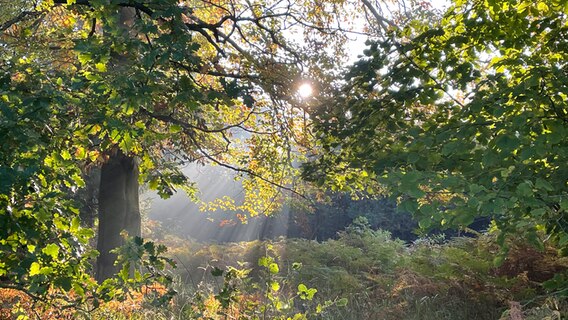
[(181, 216)]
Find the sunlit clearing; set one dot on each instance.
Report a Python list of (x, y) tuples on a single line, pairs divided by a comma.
[(305, 90), (182, 217)]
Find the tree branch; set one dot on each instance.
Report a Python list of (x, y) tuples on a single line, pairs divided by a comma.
[(185, 125), (247, 171), (134, 5), (22, 16), (215, 73), (383, 22)]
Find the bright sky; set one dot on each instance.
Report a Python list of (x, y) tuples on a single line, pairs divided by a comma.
[(358, 43)]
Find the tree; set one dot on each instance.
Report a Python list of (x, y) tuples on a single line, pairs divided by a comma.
[(460, 118), (84, 87)]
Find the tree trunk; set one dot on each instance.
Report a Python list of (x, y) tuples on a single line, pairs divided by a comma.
[(118, 210), (88, 197)]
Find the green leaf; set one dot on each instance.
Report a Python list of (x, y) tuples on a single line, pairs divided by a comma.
[(543, 185), (425, 223), (124, 272), (507, 142), (175, 128), (65, 154), (341, 302), (524, 189), (84, 58), (81, 153), (273, 268), (305, 293), (78, 180), (51, 250), (78, 289), (310, 293), (264, 261), (275, 286), (563, 239), (46, 271), (564, 204), (75, 224), (64, 283)]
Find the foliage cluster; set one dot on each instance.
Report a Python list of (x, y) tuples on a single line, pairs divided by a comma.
[(141, 87), (460, 118), (83, 297)]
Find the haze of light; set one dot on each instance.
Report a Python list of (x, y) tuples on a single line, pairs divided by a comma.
[(305, 90)]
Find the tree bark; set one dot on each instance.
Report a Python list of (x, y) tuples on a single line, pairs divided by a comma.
[(88, 197), (118, 210)]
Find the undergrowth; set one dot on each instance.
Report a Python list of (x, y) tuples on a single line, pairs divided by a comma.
[(363, 274)]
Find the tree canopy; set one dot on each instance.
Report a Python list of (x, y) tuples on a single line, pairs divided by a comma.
[(158, 83), (460, 118)]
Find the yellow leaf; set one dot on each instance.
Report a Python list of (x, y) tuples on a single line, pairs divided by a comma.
[(101, 67), (34, 269), (541, 6)]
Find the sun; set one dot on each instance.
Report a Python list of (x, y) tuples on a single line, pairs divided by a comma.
[(305, 90)]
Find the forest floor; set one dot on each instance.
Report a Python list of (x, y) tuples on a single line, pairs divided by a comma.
[(363, 274)]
